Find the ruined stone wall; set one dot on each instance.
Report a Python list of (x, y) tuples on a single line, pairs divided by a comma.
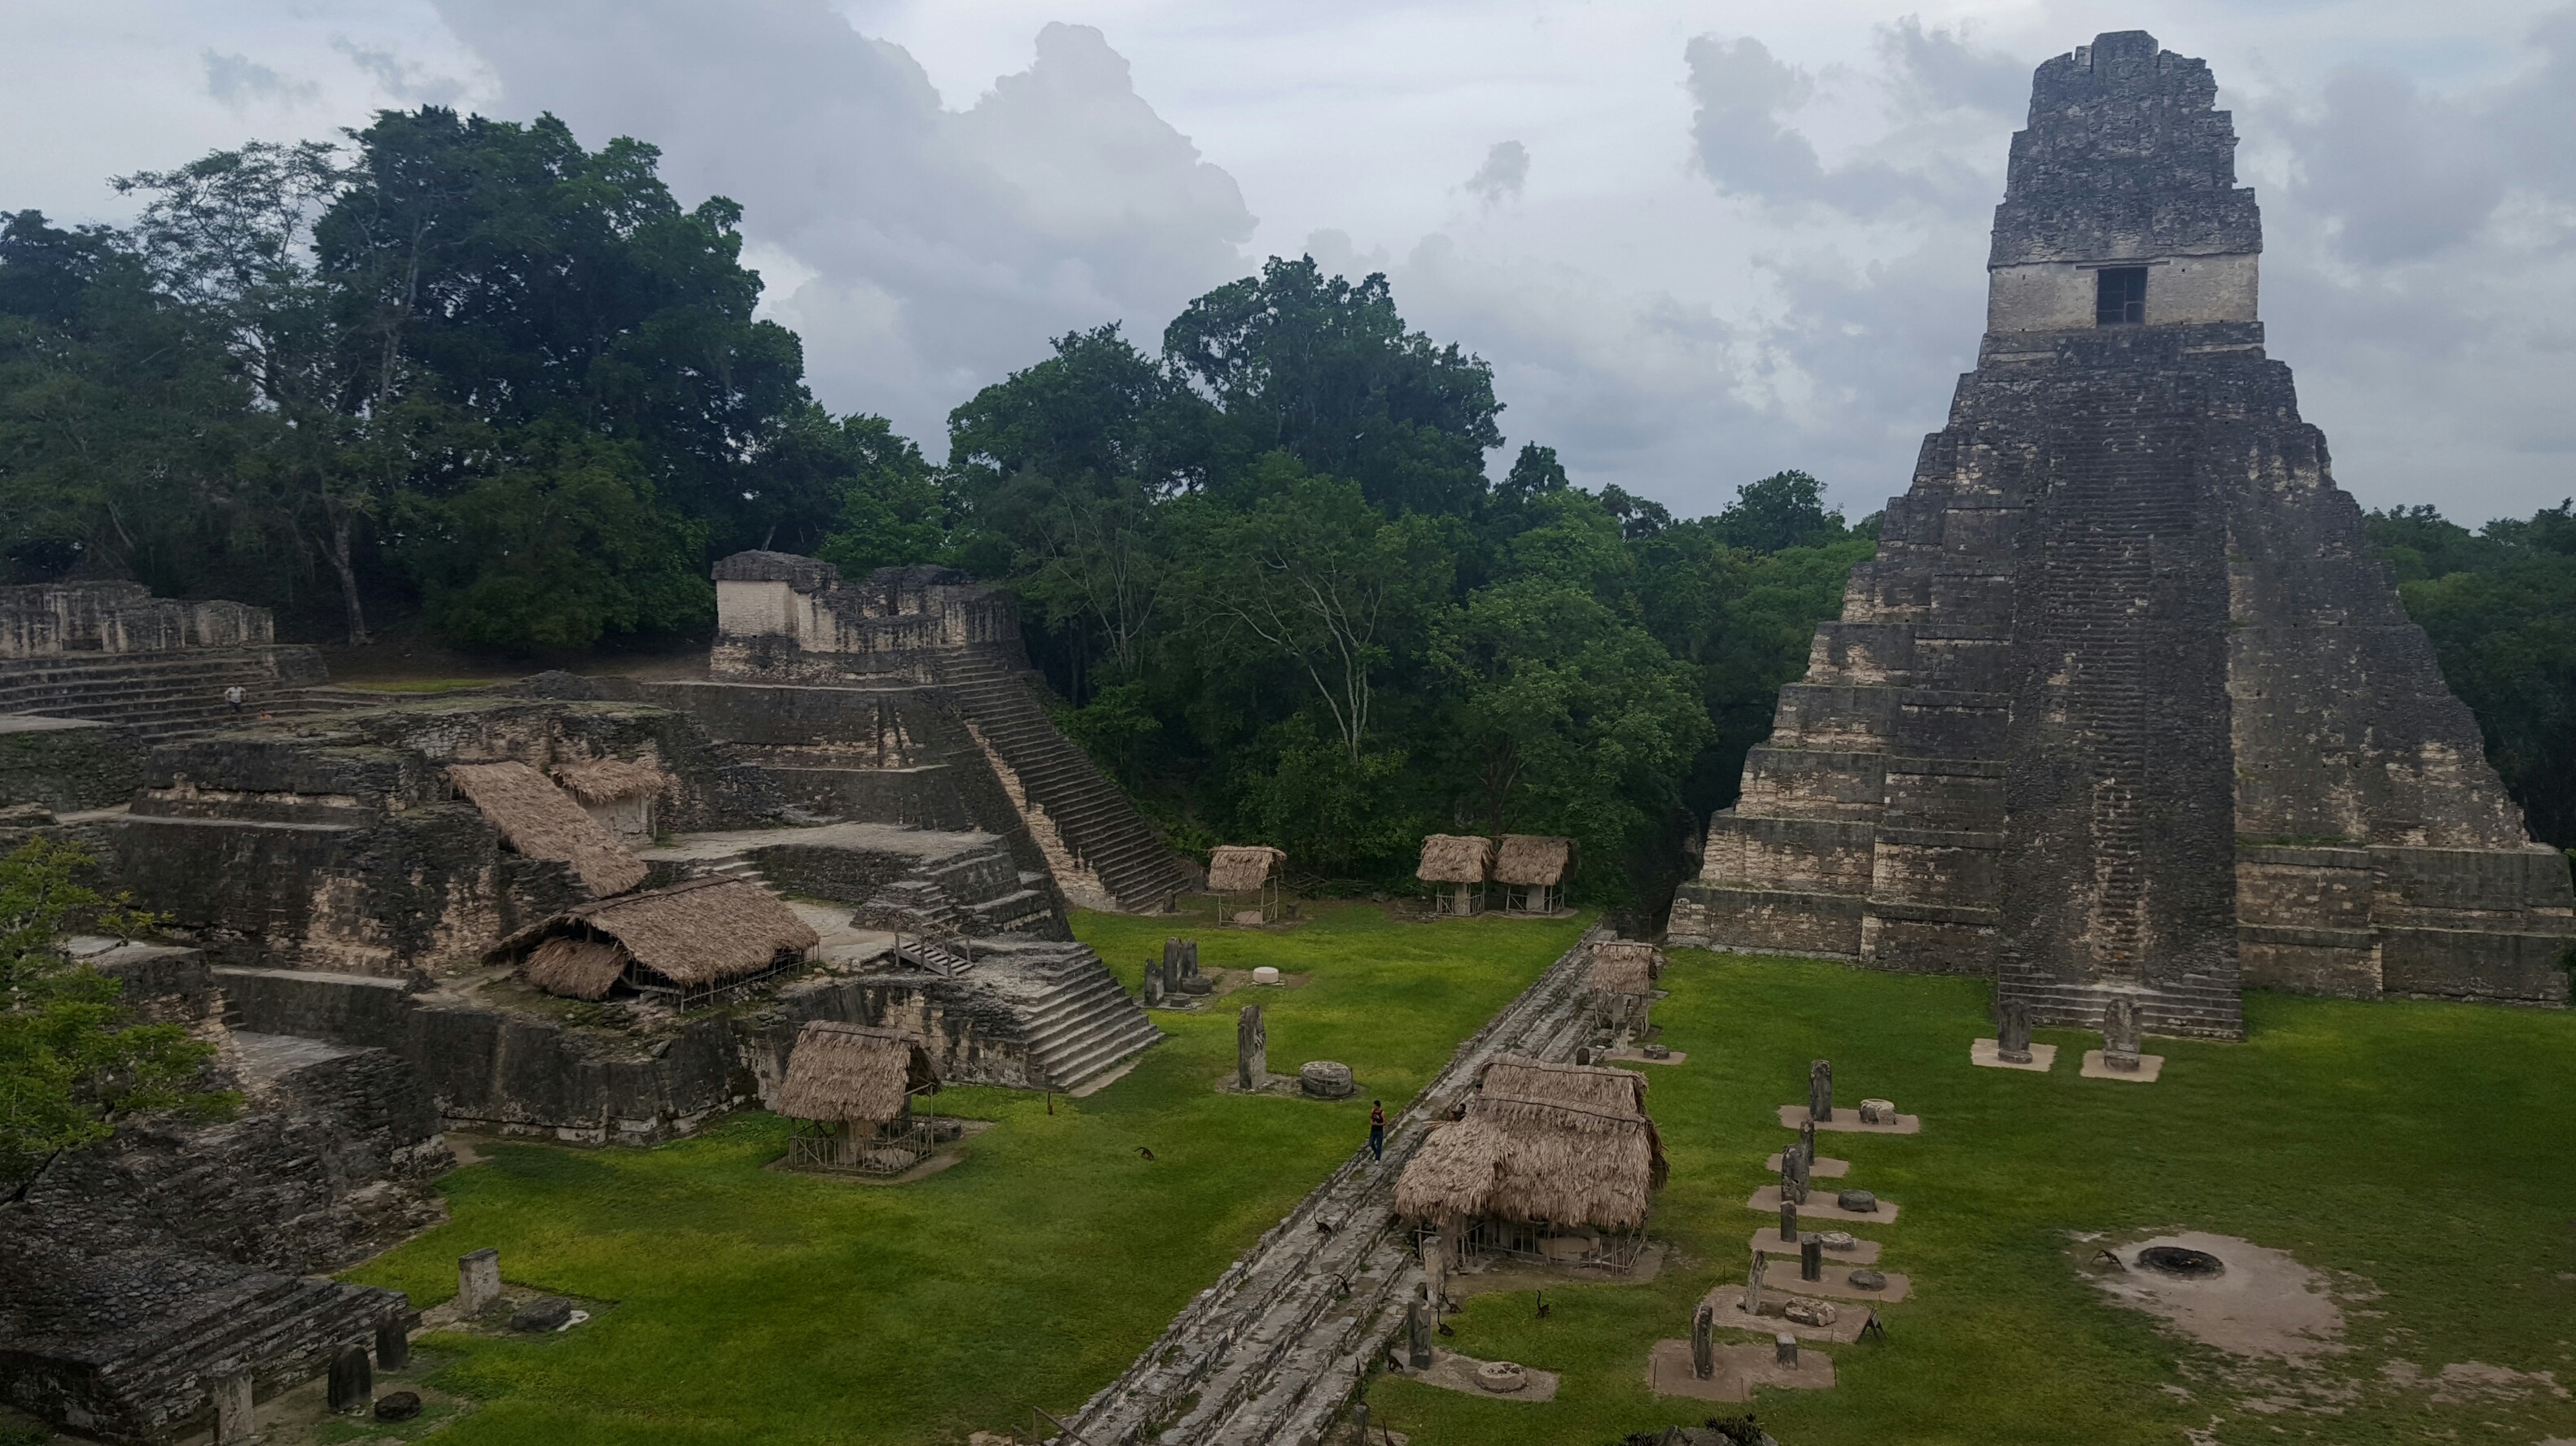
[(47, 619), (339, 844), (781, 618), (64, 764), (513, 1073)]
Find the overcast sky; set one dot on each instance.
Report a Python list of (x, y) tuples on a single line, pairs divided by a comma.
[(1698, 242)]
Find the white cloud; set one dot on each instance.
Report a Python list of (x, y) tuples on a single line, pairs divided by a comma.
[(1756, 239), (942, 247)]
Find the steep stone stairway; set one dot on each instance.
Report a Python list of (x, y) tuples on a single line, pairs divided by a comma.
[(162, 695), (1269, 1354), (1095, 820), (1079, 1022)]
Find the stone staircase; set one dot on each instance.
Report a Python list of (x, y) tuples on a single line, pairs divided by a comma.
[(1095, 820), (1077, 1020), (164, 695)]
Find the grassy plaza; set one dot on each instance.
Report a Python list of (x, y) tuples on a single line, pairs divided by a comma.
[(752, 1304), (2401, 1148)]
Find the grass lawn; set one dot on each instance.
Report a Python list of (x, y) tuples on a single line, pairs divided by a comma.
[(2426, 1152), (753, 1305)]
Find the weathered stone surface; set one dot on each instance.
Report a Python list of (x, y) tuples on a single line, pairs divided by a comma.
[(65, 764), (545, 1313), (1877, 1112), (393, 1345), (352, 1386), (2012, 1030), (398, 1406), (2123, 703), (1809, 1312), (1859, 1202), (1251, 1049), (1703, 1350), (1325, 1079), (478, 1280), (1820, 1091), (1811, 1260), (1867, 1280)]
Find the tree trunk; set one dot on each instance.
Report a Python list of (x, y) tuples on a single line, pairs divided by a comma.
[(340, 563)]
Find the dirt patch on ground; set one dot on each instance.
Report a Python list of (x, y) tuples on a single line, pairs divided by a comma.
[(2263, 1303), (2469, 1383)]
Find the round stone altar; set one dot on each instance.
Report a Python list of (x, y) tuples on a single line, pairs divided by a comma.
[(1326, 1080)]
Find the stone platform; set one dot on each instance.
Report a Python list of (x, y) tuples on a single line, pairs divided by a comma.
[(1737, 1370)]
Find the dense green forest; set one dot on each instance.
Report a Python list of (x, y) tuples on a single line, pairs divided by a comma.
[(464, 377)]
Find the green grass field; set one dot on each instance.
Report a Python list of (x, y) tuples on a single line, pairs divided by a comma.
[(2418, 1150), (753, 1305), (2421, 1148)]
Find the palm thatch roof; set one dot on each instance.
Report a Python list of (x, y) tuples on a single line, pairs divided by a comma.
[(542, 822), (705, 931), (1449, 858), (1529, 858), (606, 780), (1242, 868), (1511, 1159), (1593, 1087), (1625, 966), (853, 1073), (575, 966)]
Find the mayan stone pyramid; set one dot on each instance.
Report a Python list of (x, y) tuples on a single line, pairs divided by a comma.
[(2124, 705)]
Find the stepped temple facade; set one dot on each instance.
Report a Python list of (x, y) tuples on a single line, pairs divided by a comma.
[(2124, 706)]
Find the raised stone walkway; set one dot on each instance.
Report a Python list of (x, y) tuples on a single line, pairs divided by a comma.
[(1270, 1354)]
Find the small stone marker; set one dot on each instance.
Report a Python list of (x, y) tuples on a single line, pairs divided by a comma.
[(2122, 1026), (1265, 974), (1793, 1191), (1417, 1330), (1789, 1222), (236, 1417), (1877, 1112), (1858, 1202), (1820, 1091), (478, 1281), (1251, 1049), (393, 1345), (1359, 1422), (353, 1382), (1435, 1272), (1326, 1080), (545, 1313), (1836, 1240), (1807, 1142), (1805, 1312), (2012, 1031), (1784, 1350), (1811, 1260), (1153, 985), (1866, 1280), (1703, 1352), (398, 1406), (1753, 1284)]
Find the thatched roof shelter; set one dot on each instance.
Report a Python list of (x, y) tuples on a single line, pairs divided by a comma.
[(691, 936), (1526, 1159), (1529, 858), (854, 1073), (543, 822), (606, 780), (1625, 966), (1455, 859), (1593, 1087), (1243, 868)]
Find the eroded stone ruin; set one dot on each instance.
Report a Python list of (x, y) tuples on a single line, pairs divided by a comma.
[(2124, 707), (365, 879)]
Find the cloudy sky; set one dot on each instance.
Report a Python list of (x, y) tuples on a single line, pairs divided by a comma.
[(1698, 242)]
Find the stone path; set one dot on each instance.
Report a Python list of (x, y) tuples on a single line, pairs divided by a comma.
[(1270, 1354)]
